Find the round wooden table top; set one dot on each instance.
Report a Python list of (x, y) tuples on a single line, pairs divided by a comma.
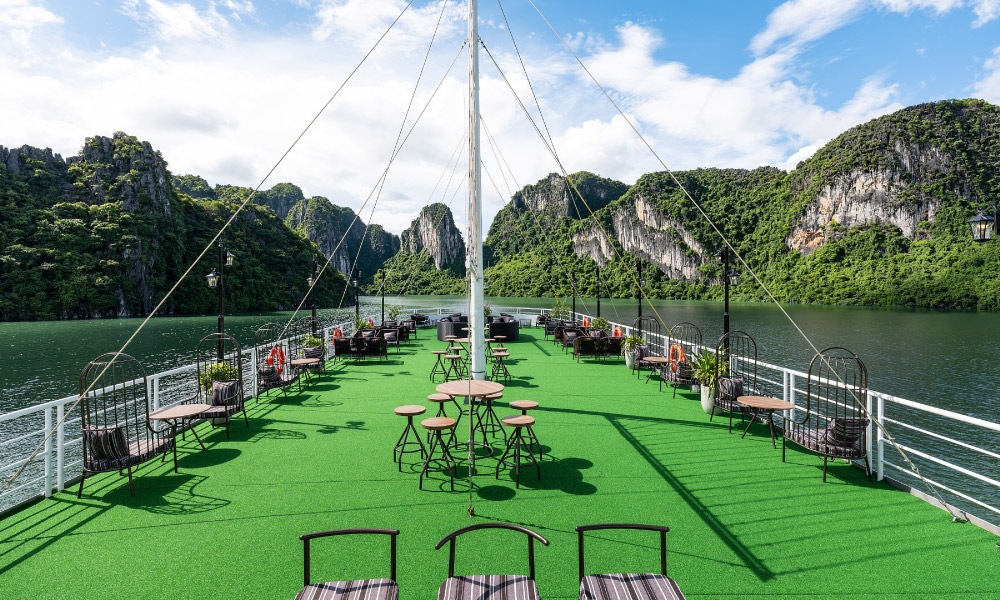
[(298, 362), (464, 340), (409, 410), (524, 404), (765, 402), (439, 398), (518, 421), (469, 387), (438, 423), (181, 411), (657, 359)]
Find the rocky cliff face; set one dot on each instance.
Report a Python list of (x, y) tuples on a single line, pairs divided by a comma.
[(646, 233), (434, 230), (554, 196), (324, 224)]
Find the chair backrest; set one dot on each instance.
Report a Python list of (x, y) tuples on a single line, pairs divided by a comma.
[(342, 346), (263, 340), (113, 396), (687, 337), (532, 536), (219, 360), (736, 358), (311, 536), (836, 387), (612, 345), (649, 329), (663, 540)]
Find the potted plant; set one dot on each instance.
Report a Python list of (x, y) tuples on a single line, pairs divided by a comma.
[(394, 310), (559, 312), (600, 324), (361, 324), (313, 346), (704, 370), (221, 371), (487, 311), (629, 344)]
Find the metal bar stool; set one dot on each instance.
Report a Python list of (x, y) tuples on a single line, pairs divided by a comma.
[(524, 406), (438, 368), (516, 443), (487, 420), (441, 400), (456, 367), (409, 411), (499, 368), (436, 425)]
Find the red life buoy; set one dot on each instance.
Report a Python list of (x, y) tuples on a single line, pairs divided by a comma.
[(337, 333), (370, 322), (676, 356), (618, 332), (279, 354), (586, 322)]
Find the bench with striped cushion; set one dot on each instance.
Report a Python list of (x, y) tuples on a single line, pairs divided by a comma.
[(488, 587), (629, 586), (366, 589)]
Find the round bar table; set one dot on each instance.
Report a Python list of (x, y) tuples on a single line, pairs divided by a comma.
[(764, 405), (181, 412), (658, 360), (470, 388)]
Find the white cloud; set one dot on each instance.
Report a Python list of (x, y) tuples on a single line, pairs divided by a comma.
[(986, 11), (987, 87), (797, 22), (179, 20), (20, 18)]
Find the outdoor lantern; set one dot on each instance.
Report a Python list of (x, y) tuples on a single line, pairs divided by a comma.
[(642, 282), (228, 256), (309, 281), (982, 227), (212, 278), (734, 278), (718, 258)]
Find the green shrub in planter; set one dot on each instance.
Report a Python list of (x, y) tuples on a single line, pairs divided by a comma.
[(217, 372)]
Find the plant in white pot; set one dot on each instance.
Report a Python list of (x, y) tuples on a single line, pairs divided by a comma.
[(629, 344), (704, 366)]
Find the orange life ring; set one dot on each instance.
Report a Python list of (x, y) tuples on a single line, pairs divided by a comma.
[(586, 322), (617, 332), (337, 333), (279, 354), (676, 356), (370, 322)]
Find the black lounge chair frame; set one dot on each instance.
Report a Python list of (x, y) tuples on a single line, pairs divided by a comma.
[(450, 539), (390, 593), (687, 337), (735, 359), (675, 592), (208, 354)]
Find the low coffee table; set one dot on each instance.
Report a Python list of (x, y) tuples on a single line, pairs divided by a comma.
[(764, 405), (660, 361), (181, 412)]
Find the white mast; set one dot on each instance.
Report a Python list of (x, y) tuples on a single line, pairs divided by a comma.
[(474, 263)]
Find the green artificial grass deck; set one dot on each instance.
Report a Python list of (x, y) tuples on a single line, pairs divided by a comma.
[(743, 525)]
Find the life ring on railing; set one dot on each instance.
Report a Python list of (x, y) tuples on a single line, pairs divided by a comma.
[(337, 333), (586, 322), (277, 354), (370, 322), (617, 332), (676, 356)]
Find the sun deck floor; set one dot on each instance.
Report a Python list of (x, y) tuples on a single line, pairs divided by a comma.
[(742, 523)]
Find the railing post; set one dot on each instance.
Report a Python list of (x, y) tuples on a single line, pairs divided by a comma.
[(784, 385), (48, 452), (253, 368), (879, 462), (60, 446), (871, 425), (156, 392)]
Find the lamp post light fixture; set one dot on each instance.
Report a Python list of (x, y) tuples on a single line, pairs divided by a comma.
[(357, 298), (217, 281), (983, 226)]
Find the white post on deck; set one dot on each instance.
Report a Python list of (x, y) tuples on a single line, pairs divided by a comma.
[(48, 452), (475, 226), (60, 447), (879, 462)]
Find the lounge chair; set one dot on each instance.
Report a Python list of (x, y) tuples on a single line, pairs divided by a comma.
[(366, 589), (489, 587), (628, 586)]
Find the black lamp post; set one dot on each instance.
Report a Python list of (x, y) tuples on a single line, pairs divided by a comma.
[(723, 256), (357, 298), (216, 279), (383, 295), (642, 284), (598, 291), (312, 281), (983, 226)]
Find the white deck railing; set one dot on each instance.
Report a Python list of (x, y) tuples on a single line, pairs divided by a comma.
[(906, 420)]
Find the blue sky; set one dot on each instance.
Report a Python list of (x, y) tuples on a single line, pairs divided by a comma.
[(222, 87)]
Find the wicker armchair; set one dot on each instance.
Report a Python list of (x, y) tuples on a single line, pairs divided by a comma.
[(219, 374), (114, 411), (611, 346), (735, 373), (586, 346), (632, 586), (490, 587), (832, 422), (685, 340), (368, 589)]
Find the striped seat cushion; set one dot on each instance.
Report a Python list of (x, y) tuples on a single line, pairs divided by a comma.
[(487, 587), (817, 441), (360, 589), (629, 586), (138, 452)]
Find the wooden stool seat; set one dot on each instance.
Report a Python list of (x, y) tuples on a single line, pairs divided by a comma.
[(440, 423), (516, 421), (439, 352), (439, 398), (410, 410), (495, 396), (452, 356), (499, 338), (504, 353), (524, 404)]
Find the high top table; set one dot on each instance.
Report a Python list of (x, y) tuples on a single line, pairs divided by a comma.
[(470, 388), (764, 405)]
